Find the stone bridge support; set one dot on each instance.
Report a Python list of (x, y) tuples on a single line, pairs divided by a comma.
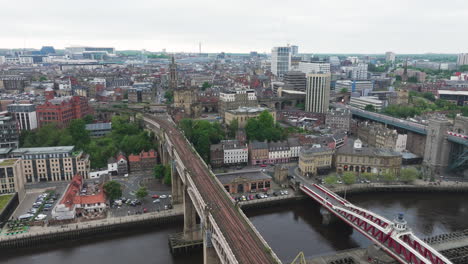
[(209, 253), (177, 185), (190, 216)]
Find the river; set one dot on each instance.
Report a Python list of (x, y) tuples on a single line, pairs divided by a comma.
[(288, 229)]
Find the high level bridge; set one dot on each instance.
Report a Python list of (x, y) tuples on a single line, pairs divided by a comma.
[(394, 237), (229, 237)]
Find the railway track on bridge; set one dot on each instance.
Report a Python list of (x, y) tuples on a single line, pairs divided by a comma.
[(244, 243)]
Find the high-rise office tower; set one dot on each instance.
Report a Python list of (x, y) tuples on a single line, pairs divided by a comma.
[(294, 50), (390, 56), (280, 60), (462, 59), (317, 92)]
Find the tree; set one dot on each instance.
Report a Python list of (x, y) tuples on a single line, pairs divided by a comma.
[(413, 79), (349, 177), (42, 78), (78, 132), (408, 175), (113, 189), (169, 95), (264, 128), (330, 180), (205, 85), (368, 176), (159, 171), (233, 126), (167, 175), (344, 90), (141, 193), (89, 119), (370, 108), (388, 177)]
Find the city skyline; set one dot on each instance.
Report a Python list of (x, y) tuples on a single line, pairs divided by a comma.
[(362, 26)]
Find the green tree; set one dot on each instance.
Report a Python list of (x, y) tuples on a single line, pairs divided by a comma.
[(113, 189), (78, 132), (169, 95), (264, 128), (344, 90), (42, 78), (233, 126), (159, 171), (167, 175), (349, 177), (205, 85), (370, 108), (369, 176), (388, 177), (141, 193), (413, 79), (330, 180), (408, 175), (89, 119)]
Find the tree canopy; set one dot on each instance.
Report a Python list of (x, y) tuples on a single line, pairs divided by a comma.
[(330, 180), (349, 177), (141, 193), (408, 175), (126, 136), (264, 128), (113, 189), (369, 107), (202, 134)]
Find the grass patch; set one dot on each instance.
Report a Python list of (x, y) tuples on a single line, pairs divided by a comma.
[(4, 199)]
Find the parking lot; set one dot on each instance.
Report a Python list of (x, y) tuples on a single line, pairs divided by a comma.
[(31, 198)]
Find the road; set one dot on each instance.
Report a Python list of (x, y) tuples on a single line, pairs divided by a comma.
[(243, 241)]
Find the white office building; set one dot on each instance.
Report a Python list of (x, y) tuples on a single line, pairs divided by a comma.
[(359, 72), (234, 152), (317, 92), (363, 101), (390, 56), (462, 59), (25, 115), (280, 61), (314, 67)]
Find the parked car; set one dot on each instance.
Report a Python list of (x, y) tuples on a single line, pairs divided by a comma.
[(155, 196), (251, 197), (40, 217), (263, 165), (157, 201), (259, 196), (163, 196)]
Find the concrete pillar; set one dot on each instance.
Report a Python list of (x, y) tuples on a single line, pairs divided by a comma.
[(327, 217), (176, 185), (190, 220), (209, 253)]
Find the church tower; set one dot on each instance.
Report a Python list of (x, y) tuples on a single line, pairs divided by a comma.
[(173, 75)]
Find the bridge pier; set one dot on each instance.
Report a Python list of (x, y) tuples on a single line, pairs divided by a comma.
[(177, 185), (190, 216), (209, 253), (327, 217)]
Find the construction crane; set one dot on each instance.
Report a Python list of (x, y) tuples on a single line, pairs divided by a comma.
[(300, 259)]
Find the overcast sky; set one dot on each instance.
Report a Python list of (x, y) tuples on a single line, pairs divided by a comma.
[(316, 26)]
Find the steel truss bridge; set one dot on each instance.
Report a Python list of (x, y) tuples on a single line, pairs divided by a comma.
[(393, 237)]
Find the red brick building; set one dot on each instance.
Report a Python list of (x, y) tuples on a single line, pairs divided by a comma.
[(143, 161), (62, 110)]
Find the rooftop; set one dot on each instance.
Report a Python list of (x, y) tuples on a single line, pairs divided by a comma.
[(366, 151), (7, 162), (226, 178), (44, 150), (99, 126)]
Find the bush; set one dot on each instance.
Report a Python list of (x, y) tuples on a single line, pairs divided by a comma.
[(330, 180), (409, 175), (349, 178)]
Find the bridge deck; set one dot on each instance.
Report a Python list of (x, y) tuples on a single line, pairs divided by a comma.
[(244, 243)]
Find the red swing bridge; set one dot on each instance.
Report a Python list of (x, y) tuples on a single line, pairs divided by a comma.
[(393, 237)]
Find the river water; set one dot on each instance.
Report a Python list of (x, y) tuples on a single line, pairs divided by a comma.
[(288, 229)]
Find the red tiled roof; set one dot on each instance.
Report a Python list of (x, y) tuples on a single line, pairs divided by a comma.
[(151, 154), (72, 194)]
